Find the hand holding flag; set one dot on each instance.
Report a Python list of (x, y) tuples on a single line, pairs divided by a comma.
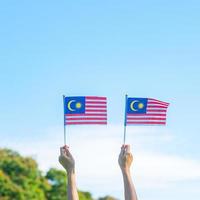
[(144, 111)]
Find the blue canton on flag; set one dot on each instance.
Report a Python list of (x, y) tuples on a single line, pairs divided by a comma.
[(136, 105), (74, 105)]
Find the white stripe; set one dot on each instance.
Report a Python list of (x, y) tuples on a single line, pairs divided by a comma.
[(147, 115), (89, 104), (96, 100), (85, 121), (146, 120), (143, 120), (67, 117), (156, 108), (95, 108), (156, 111), (153, 117), (95, 112), (153, 104)]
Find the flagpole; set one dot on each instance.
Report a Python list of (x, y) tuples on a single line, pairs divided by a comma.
[(64, 121), (125, 119)]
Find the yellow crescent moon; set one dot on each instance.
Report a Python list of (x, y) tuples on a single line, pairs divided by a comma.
[(132, 105), (69, 105)]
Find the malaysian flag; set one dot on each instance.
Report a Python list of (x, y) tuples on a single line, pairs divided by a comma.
[(145, 111), (85, 110)]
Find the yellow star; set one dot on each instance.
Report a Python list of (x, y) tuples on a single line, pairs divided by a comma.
[(140, 105), (78, 105)]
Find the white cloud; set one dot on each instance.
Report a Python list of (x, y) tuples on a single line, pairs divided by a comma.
[(96, 150)]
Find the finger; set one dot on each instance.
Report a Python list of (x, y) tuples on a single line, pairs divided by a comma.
[(64, 157), (68, 153), (128, 148), (66, 147), (122, 150), (62, 151), (128, 154)]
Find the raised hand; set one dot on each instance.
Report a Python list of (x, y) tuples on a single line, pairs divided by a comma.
[(125, 158), (66, 159)]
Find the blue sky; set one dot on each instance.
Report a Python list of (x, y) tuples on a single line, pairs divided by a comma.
[(108, 48)]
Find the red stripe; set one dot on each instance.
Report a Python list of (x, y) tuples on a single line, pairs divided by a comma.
[(95, 98), (94, 110), (95, 114), (76, 123), (157, 101), (156, 106), (159, 115), (95, 106), (95, 102), (86, 118), (156, 110), (146, 123), (143, 118)]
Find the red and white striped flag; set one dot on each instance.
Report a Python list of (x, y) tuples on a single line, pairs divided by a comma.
[(145, 111), (85, 110)]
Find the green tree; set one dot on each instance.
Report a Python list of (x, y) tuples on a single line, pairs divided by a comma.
[(58, 181), (84, 195), (21, 179), (107, 198), (8, 190)]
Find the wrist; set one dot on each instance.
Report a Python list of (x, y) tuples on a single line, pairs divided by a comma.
[(125, 171), (70, 171), (71, 177)]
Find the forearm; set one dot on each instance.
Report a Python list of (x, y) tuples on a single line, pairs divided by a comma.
[(129, 189), (71, 187)]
